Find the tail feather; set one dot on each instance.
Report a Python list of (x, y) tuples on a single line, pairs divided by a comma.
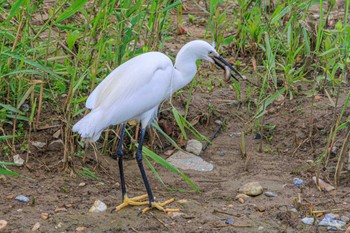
[(90, 126)]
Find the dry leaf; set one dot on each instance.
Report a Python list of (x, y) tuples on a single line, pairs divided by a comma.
[(323, 185)]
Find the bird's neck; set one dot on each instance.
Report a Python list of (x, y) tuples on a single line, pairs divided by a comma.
[(185, 70)]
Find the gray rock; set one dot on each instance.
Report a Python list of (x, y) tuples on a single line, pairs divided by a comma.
[(38, 144), (229, 221), (98, 207), (188, 161), (22, 198), (218, 122), (345, 218), (270, 194), (56, 145), (252, 189), (331, 221), (194, 146), (222, 153), (18, 160), (308, 221)]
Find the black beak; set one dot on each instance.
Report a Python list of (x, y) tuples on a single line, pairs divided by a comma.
[(222, 63)]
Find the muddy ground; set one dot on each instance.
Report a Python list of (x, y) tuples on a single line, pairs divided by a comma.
[(287, 152)]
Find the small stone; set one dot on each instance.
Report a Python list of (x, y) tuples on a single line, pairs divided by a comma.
[(22, 198), (308, 221), (80, 229), (188, 161), (59, 225), (260, 228), (257, 136), (182, 201), (44, 216), (69, 206), (270, 194), (222, 154), (56, 145), (279, 100), (235, 134), (57, 134), (18, 160), (345, 218), (242, 197), (252, 189), (81, 184), (60, 209), (3, 178), (218, 122), (36, 226), (298, 182), (3, 225), (19, 210), (331, 228), (98, 207), (194, 146), (293, 210), (260, 208), (331, 221), (229, 221), (38, 144)]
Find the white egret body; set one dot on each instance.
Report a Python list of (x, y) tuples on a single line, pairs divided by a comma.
[(135, 89)]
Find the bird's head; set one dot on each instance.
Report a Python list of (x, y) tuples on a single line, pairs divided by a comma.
[(203, 50)]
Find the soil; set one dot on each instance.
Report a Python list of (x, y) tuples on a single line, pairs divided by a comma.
[(287, 152)]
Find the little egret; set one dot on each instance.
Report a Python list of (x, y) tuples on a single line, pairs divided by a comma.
[(133, 91)]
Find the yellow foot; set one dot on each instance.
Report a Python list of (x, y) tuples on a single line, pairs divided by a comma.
[(133, 201), (160, 206)]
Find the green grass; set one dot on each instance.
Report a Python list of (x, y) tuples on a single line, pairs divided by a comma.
[(52, 57)]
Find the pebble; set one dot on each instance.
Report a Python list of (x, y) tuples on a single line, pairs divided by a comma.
[(252, 189), (222, 154), (194, 146), (60, 209), (229, 221), (44, 216), (218, 122), (22, 198), (57, 134), (260, 228), (3, 178), (3, 225), (308, 221), (331, 221), (188, 161), (98, 207), (56, 145), (331, 228), (38, 144), (18, 160), (235, 134), (81, 184), (270, 194), (298, 182), (175, 214), (80, 229), (242, 198), (345, 218), (36, 226), (293, 210)]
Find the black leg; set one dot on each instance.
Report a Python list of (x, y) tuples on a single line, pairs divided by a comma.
[(120, 159), (142, 170)]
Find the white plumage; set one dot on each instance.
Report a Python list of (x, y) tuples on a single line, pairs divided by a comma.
[(136, 88)]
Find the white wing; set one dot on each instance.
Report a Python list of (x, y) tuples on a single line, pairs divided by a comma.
[(132, 89)]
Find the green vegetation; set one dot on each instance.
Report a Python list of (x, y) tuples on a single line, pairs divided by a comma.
[(52, 55)]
